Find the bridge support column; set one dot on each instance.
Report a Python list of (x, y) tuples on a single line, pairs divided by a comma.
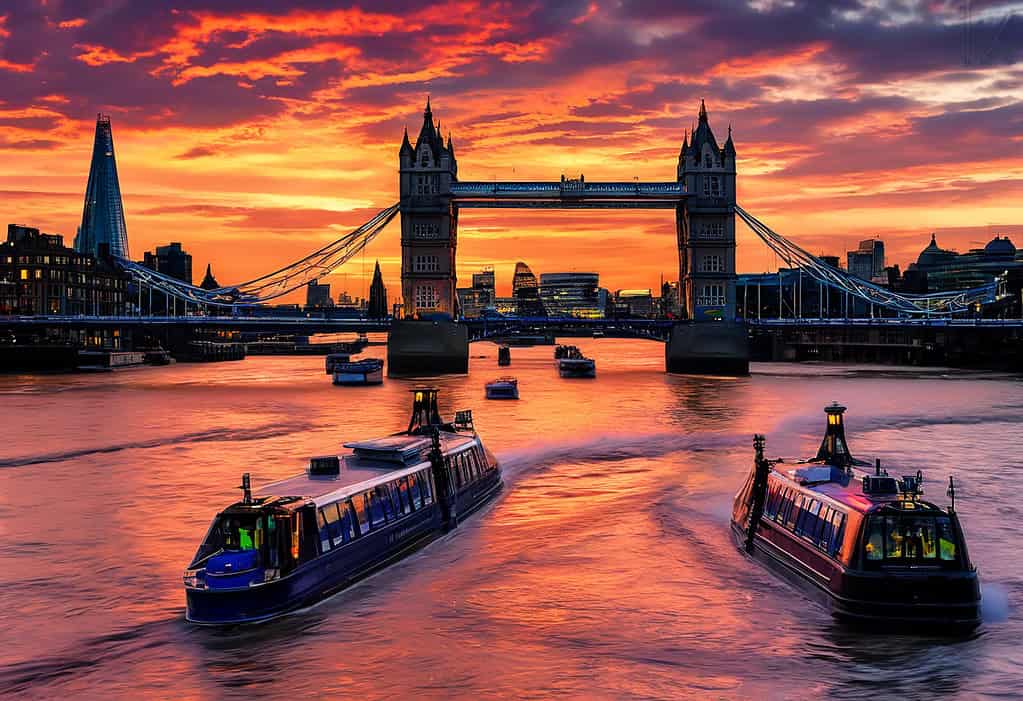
[(427, 348), (719, 348)]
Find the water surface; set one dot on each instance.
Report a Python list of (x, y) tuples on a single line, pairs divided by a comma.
[(604, 570)]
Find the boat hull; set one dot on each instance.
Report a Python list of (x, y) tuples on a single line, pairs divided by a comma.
[(375, 377), (926, 599), (577, 370), (337, 569)]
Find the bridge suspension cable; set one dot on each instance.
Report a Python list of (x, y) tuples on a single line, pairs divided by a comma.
[(940, 303), (272, 285)]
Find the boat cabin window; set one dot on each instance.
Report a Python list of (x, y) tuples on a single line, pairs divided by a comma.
[(413, 490), (426, 487), (405, 496), (336, 525), (810, 518), (361, 513), (908, 539)]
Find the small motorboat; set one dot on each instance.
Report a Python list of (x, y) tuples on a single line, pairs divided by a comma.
[(369, 371), (504, 356), (333, 359), (503, 388)]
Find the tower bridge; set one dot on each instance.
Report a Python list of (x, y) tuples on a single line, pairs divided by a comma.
[(702, 197), (431, 339)]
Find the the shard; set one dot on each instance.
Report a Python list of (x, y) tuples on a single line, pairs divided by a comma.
[(103, 215)]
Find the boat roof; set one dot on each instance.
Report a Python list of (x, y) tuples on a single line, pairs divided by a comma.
[(838, 485), (359, 473)]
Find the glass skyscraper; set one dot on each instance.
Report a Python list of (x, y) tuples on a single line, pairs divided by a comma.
[(103, 214), (571, 294)]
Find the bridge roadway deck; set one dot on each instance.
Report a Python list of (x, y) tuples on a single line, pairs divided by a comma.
[(478, 327), (569, 194)]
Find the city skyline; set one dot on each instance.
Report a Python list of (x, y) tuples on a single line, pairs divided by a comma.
[(269, 130)]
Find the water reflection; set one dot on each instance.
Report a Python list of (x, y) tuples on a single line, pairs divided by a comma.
[(604, 570)]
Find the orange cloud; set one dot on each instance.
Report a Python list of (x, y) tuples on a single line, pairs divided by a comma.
[(72, 23), (96, 55)]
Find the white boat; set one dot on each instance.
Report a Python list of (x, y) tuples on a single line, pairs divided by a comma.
[(369, 371), (503, 388)]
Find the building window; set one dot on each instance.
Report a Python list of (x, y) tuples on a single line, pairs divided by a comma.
[(706, 160), (711, 295), (714, 230), (426, 297), (712, 264), (425, 264), (715, 186), (426, 231)]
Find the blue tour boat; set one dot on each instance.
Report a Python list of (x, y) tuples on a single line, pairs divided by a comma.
[(300, 539), (368, 371)]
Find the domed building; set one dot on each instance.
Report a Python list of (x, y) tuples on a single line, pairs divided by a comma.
[(940, 270), (1000, 248), (933, 256)]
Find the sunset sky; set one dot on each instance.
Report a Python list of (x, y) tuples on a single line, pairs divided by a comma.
[(254, 132)]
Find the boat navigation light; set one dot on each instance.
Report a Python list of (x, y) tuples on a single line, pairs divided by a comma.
[(246, 487), (834, 449), (424, 408)]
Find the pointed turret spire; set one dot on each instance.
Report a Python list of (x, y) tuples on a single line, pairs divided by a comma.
[(209, 282), (685, 143), (729, 144), (451, 146), (703, 111), (427, 110)]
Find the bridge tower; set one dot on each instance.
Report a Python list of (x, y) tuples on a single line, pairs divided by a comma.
[(707, 235), (429, 221), (711, 341), (428, 341)]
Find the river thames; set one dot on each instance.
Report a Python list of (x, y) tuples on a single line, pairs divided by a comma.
[(604, 570)]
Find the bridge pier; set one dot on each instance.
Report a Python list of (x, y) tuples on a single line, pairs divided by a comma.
[(708, 348), (427, 348)]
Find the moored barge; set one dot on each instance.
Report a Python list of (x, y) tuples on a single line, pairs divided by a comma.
[(300, 539), (863, 542)]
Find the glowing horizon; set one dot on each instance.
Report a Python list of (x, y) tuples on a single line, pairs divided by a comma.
[(254, 137)]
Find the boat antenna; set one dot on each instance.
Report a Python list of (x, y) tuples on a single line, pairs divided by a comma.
[(424, 409), (951, 494), (834, 450), (246, 487)]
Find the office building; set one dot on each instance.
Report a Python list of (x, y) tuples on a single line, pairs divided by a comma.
[(571, 295), (39, 275), (103, 213), (317, 295), (170, 260)]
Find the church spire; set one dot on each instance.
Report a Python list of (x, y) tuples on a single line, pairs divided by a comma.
[(703, 111)]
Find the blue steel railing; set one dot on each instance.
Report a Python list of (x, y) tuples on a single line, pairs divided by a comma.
[(568, 188)]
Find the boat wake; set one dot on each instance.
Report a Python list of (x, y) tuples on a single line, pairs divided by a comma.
[(615, 447), (253, 433), (994, 603)]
